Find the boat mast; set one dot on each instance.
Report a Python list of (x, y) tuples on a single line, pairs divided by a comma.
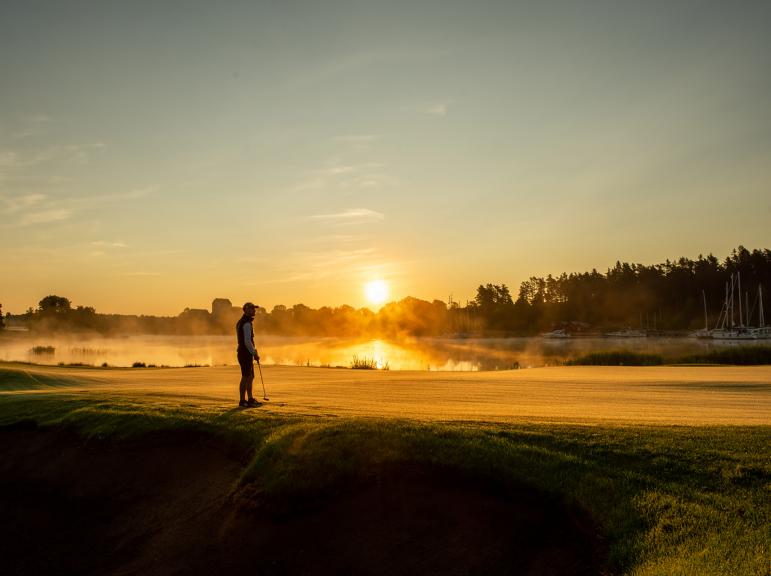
[(723, 318), (731, 323), (739, 282), (747, 306), (706, 325), (760, 297)]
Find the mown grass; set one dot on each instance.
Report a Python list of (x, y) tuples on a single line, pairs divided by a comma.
[(668, 500), (739, 356)]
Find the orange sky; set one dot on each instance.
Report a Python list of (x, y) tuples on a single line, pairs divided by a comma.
[(292, 153)]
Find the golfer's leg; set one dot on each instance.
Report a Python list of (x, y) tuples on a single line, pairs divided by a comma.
[(250, 381), (243, 387)]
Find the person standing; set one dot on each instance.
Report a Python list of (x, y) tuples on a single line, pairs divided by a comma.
[(246, 353)]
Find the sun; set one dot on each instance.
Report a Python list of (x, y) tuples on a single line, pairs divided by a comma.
[(376, 291)]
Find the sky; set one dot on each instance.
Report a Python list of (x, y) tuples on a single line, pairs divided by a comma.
[(156, 155)]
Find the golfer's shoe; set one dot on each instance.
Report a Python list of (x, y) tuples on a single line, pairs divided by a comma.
[(253, 402), (243, 403)]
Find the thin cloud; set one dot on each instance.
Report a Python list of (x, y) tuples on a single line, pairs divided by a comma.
[(138, 193), (357, 138), (339, 238), (32, 126), (316, 265), (337, 170), (106, 244), (440, 109), (134, 194), (45, 217), (12, 204), (347, 177), (351, 216), (17, 165)]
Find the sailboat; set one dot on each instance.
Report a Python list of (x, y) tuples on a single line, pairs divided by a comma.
[(732, 324)]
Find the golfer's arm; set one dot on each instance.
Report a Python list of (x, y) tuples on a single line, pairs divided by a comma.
[(248, 339)]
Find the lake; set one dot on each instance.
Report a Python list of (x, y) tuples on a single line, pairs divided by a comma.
[(442, 354)]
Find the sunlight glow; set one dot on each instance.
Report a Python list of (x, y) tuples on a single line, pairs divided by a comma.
[(376, 291)]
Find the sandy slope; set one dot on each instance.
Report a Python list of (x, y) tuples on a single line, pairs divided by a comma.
[(654, 395)]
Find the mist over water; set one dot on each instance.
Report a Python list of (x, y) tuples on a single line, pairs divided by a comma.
[(439, 354)]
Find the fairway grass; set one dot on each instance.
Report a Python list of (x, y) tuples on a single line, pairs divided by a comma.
[(666, 499)]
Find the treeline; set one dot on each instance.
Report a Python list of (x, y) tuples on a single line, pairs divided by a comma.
[(409, 316), (666, 296), (662, 297)]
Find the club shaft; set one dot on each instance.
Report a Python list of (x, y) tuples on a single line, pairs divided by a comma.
[(264, 393)]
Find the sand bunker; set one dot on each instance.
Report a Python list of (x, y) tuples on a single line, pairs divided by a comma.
[(169, 503)]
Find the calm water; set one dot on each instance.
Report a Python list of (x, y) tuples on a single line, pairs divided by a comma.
[(412, 354)]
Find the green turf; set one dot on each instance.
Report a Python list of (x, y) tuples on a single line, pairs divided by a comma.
[(669, 500)]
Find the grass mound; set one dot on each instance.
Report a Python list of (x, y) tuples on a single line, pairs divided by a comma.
[(166, 503)]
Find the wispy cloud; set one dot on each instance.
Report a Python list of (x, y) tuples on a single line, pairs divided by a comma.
[(357, 138), (31, 126), (350, 216), (347, 177), (339, 238), (320, 264), (15, 164), (439, 109), (133, 194), (106, 244), (138, 274), (13, 204), (45, 217), (337, 170)]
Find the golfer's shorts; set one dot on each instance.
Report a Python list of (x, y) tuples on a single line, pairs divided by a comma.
[(247, 366)]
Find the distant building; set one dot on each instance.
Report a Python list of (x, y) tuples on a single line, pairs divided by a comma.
[(221, 307), (195, 314)]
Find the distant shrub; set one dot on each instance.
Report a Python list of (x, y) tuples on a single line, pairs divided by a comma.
[(83, 351), (43, 350), (105, 365), (367, 364), (741, 356), (138, 365), (617, 358)]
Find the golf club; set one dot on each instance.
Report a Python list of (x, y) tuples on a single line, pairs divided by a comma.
[(264, 394)]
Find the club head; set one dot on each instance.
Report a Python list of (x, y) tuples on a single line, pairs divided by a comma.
[(266, 398)]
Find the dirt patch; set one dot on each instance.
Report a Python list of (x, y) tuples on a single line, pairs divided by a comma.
[(168, 504)]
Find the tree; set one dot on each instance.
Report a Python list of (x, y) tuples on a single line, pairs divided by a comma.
[(54, 304), (2, 323)]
